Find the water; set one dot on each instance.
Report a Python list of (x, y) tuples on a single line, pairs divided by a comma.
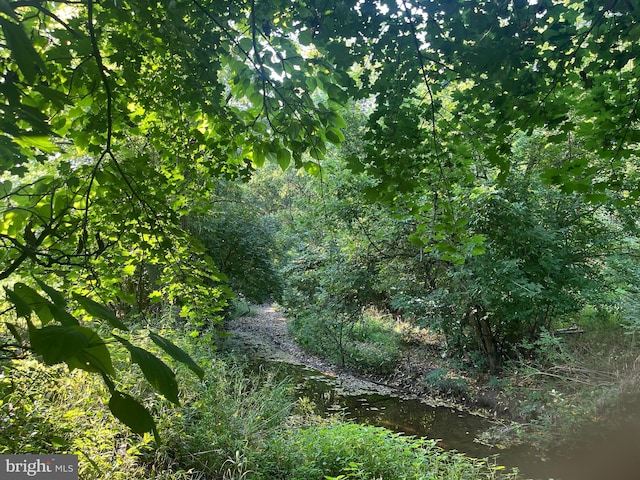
[(368, 403), (454, 429)]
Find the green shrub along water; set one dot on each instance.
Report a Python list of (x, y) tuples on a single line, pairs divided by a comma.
[(232, 425), (367, 342)]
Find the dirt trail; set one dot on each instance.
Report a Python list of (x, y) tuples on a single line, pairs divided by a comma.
[(265, 335)]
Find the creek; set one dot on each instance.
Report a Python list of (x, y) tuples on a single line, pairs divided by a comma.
[(369, 403)]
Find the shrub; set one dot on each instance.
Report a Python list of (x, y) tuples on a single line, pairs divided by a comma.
[(444, 383), (367, 343), (344, 450), (229, 414), (49, 410)]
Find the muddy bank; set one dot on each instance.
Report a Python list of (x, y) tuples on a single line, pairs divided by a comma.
[(265, 334)]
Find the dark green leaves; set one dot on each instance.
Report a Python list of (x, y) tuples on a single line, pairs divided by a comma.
[(22, 50), (177, 354), (57, 343), (26, 300), (57, 297), (77, 346), (126, 409), (94, 357), (157, 373), (95, 309)]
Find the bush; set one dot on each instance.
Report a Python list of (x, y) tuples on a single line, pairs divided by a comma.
[(374, 345), (49, 410), (230, 414), (367, 343), (440, 381), (344, 450)]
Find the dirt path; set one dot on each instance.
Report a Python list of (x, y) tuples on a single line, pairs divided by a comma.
[(265, 335)]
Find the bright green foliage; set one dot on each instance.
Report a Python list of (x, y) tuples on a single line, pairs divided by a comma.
[(82, 347), (338, 451), (116, 116)]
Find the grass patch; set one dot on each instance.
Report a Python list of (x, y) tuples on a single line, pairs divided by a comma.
[(337, 450)]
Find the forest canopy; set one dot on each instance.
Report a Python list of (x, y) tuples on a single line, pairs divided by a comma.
[(118, 118)]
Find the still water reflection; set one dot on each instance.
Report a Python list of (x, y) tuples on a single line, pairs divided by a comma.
[(454, 429)]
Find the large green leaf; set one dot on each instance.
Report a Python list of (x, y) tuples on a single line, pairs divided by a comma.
[(177, 354), (22, 308), (26, 300), (57, 343), (22, 50), (37, 302), (157, 373), (94, 357), (95, 309), (130, 412), (56, 297)]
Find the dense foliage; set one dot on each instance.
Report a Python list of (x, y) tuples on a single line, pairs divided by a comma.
[(118, 119), (233, 425), (544, 255)]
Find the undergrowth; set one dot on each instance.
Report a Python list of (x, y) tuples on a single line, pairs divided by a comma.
[(232, 425), (368, 342)]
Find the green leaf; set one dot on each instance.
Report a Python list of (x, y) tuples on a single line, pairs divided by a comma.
[(6, 8), (56, 297), (284, 158), (336, 94), (336, 120), (157, 373), (22, 308), (246, 44), (130, 412), (177, 354), (93, 358), (57, 343), (45, 310), (62, 316), (22, 50), (335, 136), (38, 303), (14, 331), (42, 143), (416, 240), (95, 309), (305, 37), (256, 99)]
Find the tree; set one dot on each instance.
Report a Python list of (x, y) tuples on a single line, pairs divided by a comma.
[(115, 117), (239, 234), (132, 107)]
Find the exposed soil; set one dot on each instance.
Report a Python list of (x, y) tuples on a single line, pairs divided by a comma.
[(265, 335)]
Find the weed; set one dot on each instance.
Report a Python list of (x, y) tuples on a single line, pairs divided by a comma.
[(446, 383), (235, 468), (340, 450)]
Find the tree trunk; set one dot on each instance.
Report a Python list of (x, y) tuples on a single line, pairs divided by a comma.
[(479, 322)]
